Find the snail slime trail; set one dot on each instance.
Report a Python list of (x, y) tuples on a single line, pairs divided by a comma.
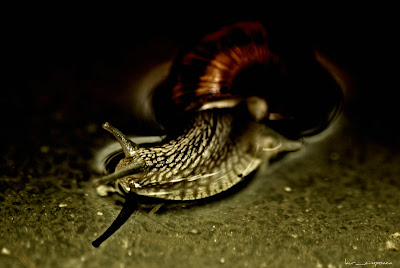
[(224, 139)]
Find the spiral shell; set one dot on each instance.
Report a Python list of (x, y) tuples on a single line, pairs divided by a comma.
[(236, 62), (207, 72)]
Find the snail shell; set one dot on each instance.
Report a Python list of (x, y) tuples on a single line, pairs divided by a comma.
[(208, 75), (236, 62), (222, 140), (209, 70)]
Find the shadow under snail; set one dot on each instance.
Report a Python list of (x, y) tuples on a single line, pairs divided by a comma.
[(221, 135)]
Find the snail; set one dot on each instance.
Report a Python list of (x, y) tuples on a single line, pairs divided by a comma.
[(220, 137)]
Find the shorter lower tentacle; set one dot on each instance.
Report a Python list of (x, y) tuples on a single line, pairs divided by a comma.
[(130, 205)]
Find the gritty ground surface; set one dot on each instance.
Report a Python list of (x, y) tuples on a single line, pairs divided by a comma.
[(333, 204), (336, 200)]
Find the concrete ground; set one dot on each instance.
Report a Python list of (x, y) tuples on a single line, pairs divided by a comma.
[(335, 203)]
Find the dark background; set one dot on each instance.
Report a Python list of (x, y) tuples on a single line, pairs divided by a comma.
[(69, 70)]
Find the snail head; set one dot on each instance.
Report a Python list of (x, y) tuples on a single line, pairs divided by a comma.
[(131, 164)]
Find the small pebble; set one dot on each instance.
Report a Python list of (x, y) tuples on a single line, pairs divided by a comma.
[(395, 235), (194, 231), (390, 245), (394, 242), (5, 251), (287, 189), (103, 190), (100, 213)]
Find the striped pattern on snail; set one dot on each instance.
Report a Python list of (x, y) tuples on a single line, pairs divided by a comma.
[(223, 140), (218, 149)]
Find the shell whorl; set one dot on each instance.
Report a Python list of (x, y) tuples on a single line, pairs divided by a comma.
[(208, 71), (239, 61)]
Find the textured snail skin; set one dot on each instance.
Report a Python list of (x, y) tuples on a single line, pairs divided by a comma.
[(222, 143), (217, 151)]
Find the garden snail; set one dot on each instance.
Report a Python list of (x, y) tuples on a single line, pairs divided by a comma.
[(222, 139)]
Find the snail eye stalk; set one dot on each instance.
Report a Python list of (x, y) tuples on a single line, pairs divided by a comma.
[(128, 147)]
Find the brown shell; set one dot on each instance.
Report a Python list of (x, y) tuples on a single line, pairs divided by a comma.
[(237, 62), (207, 71)]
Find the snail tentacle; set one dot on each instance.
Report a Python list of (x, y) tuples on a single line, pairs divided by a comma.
[(129, 207), (128, 147), (135, 167)]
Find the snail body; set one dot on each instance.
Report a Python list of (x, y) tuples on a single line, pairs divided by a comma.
[(223, 139), (217, 151)]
